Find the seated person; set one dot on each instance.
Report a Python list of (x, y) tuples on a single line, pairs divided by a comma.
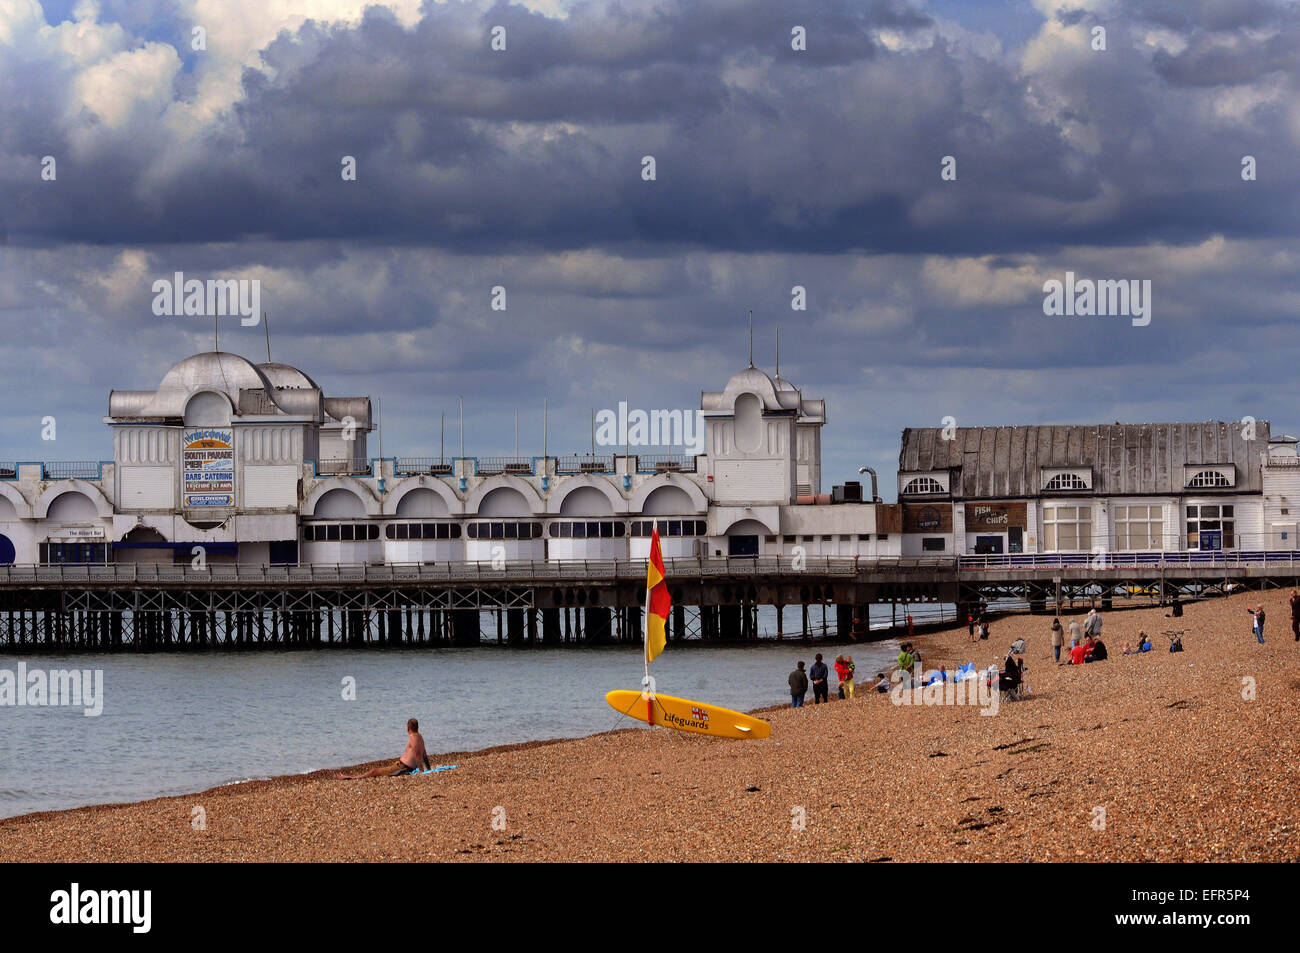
[(408, 763), (1146, 643), (1078, 654), (1098, 653), (1175, 643), (883, 685), (1018, 647), (1009, 677), (1128, 649)]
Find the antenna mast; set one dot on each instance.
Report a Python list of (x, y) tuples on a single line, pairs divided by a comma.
[(751, 337)]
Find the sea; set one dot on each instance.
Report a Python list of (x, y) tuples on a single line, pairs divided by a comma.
[(177, 723)]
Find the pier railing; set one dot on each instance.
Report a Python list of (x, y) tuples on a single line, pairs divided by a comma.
[(1197, 560), (339, 467), (414, 466), (515, 573), (584, 463), (488, 466)]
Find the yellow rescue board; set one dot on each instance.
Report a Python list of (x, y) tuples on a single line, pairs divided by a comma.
[(686, 715)]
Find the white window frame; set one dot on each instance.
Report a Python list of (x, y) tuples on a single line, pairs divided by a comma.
[(1120, 514), (1051, 538), (1224, 470), (1186, 519), (1083, 474), (906, 480)]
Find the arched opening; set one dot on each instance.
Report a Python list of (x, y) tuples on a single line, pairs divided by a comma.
[(586, 501), (72, 507), (143, 544), (743, 538), (749, 423), (668, 501), (340, 504), (8, 511), (7, 551), (207, 409), (504, 501), (421, 503)]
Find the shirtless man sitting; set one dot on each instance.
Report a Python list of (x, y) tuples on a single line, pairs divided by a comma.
[(408, 763)]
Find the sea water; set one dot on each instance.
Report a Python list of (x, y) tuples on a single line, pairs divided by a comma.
[(184, 722)]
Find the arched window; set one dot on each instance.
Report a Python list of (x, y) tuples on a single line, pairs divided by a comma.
[(1066, 481), (1209, 478), (920, 485)]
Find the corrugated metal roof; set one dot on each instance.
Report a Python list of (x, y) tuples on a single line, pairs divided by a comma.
[(1004, 462)]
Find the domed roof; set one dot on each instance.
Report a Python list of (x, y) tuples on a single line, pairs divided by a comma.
[(218, 371), (751, 380), (286, 375)]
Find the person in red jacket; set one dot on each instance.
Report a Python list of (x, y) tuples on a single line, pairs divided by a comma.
[(1078, 654)]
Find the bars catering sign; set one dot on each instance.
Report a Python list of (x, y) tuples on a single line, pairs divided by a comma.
[(209, 460)]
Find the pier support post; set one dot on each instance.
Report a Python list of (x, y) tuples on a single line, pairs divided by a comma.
[(597, 625), (465, 627), (515, 626), (844, 622), (552, 634)]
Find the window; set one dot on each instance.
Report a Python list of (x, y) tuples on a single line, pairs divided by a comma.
[(790, 539), (1206, 478), (1139, 527), (933, 544), (1211, 526), (1067, 528), (921, 485), (77, 553), (882, 536), (864, 537), (1066, 481)]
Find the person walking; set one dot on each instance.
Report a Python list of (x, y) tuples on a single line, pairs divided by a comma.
[(798, 686), (819, 674), (1258, 626), (1058, 639), (1076, 634)]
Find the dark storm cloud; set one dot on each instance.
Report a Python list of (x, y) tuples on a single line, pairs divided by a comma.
[(757, 147)]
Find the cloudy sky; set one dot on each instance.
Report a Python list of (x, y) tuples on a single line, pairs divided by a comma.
[(775, 168)]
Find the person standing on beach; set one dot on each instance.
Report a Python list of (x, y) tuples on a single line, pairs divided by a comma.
[(819, 674), (846, 680), (1092, 624), (1076, 634), (408, 763), (1295, 614), (1258, 626), (1058, 638), (798, 686)]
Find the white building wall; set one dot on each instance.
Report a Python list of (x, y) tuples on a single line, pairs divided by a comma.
[(423, 550)]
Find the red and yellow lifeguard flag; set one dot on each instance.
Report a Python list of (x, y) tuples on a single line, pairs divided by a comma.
[(658, 602)]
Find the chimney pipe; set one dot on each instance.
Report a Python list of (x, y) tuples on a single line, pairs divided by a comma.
[(875, 496)]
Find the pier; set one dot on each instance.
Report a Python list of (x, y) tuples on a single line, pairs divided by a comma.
[(157, 607)]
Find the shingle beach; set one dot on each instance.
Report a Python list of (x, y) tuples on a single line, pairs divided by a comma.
[(1152, 757)]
